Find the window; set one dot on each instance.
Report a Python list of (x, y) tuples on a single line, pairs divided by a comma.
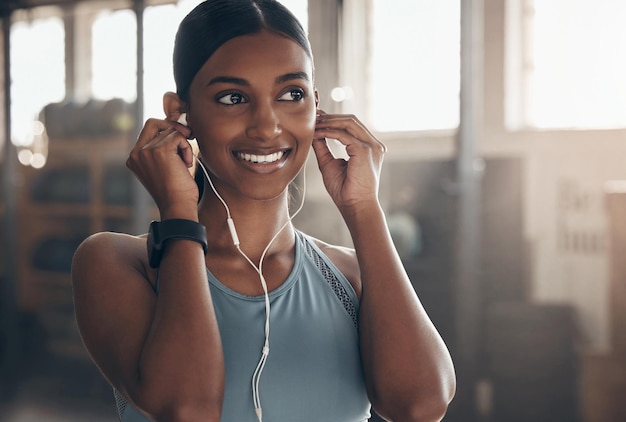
[(160, 25), (567, 65), (414, 66), (37, 72), (114, 57)]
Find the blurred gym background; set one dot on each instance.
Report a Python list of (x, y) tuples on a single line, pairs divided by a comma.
[(504, 184)]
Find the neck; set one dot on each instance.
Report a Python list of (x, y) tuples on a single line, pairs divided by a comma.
[(256, 223)]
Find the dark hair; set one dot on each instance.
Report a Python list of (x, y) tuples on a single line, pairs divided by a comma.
[(214, 22)]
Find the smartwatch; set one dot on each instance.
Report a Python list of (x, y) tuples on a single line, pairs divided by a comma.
[(162, 231)]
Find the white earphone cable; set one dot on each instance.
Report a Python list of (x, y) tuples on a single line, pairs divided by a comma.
[(256, 377)]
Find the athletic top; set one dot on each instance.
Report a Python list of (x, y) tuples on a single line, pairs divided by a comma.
[(313, 371)]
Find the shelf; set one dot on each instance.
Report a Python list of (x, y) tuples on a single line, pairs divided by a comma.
[(38, 291), (112, 146), (60, 210), (57, 210), (59, 282), (84, 188)]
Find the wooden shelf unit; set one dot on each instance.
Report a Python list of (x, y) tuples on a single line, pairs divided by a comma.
[(84, 188)]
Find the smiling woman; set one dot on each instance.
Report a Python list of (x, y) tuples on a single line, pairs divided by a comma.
[(178, 320)]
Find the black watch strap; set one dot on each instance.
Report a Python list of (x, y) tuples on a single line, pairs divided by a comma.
[(162, 231)]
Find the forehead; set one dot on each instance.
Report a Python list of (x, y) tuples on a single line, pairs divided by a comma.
[(249, 54)]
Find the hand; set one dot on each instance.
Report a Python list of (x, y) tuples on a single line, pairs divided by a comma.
[(161, 159), (354, 181)]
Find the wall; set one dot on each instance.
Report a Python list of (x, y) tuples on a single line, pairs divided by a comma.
[(565, 219), (554, 252)]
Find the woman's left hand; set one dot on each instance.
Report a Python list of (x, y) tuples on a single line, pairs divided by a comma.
[(355, 181)]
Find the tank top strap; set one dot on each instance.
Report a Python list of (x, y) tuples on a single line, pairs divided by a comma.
[(330, 273)]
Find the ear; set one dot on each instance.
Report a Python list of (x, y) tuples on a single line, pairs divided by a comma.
[(173, 106), (317, 99)]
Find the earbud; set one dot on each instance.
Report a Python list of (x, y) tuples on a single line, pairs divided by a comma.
[(183, 121)]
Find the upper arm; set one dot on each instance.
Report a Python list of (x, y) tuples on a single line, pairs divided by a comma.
[(114, 304)]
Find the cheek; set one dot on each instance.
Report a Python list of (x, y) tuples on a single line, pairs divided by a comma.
[(302, 132), (303, 124), (213, 131)]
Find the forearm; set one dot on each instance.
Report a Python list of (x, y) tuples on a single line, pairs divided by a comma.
[(181, 366), (407, 365)]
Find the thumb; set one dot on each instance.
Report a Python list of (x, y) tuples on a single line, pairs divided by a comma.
[(322, 152)]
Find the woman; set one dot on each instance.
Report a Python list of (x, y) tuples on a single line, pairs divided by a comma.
[(261, 320)]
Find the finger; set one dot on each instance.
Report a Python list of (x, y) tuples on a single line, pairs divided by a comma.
[(151, 130), (343, 136), (170, 141), (145, 134), (352, 125), (323, 154), (186, 152), (346, 122), (351, 141), (335, 134), (158, 139), (156, 129), (169, 126), (183, 129)]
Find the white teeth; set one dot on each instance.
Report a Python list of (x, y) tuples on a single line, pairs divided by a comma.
[(254, 158)]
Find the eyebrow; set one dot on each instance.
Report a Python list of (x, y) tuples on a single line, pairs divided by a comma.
[(291, 76), (240, 81), (228, 80)]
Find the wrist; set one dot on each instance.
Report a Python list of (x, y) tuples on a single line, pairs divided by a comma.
[(363, 216), (162, 232), (180, 213), (361, 211)]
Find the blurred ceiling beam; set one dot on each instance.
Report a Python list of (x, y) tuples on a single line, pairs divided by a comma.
[(8, 6)]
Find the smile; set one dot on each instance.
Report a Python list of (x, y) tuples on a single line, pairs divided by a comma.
[(260, 159)]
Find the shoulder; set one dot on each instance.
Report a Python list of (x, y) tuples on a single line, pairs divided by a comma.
[(108, 253), (345, 260), (110, 241), (114, 300)]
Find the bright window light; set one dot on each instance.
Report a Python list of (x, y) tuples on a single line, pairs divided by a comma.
[(37, 73), (300, 9), (114, 57), (577, 64), (415, 65), (160, 25)]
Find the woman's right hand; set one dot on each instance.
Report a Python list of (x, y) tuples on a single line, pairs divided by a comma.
[(161, 159)]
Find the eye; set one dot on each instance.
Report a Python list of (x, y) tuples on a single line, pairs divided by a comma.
[(232, 99), (293, 95)]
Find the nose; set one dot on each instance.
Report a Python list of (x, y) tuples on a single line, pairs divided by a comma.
[(264, 123)]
